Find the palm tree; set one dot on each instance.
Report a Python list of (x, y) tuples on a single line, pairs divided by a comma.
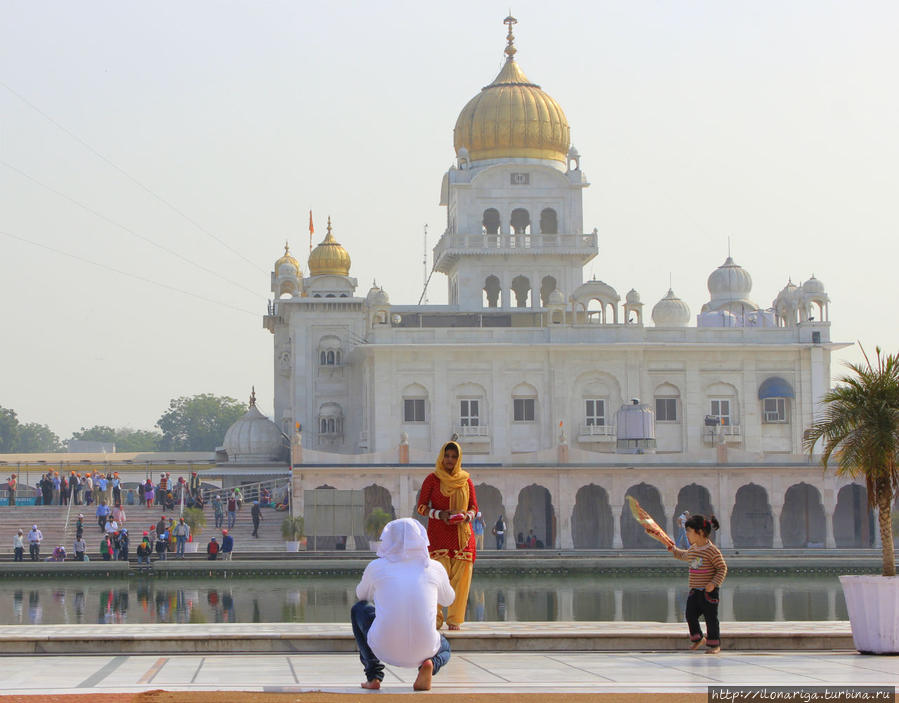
[(860, 430)]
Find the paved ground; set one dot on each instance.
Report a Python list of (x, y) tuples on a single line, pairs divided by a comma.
[(587, 672)]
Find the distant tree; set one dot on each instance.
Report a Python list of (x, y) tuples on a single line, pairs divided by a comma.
[(9, 430), (131, 440), (198, 423), (37, 439), (97, 433)]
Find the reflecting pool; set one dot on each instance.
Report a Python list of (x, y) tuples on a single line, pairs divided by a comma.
[(494, 598)]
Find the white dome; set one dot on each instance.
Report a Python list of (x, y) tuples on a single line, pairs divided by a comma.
[(671, 311), (253, 439), (377, 297), (556, 298), (788, 296), (813, 287), (729, 281), (632, 297)]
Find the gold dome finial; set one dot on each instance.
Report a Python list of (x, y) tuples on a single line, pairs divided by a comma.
[(329, 257), (510, 38), (252, 396)]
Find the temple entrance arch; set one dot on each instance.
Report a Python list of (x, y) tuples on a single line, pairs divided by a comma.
[(490, 503), (535, 512), (802, 521), (694, 498), (632, 534), (853, 520), (592, 523), (751, 522)]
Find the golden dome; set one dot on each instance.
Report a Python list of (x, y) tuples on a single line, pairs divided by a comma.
[(329, 257), (512, 117), (288, 259)]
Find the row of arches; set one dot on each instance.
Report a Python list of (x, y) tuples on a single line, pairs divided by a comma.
[(519, 221), (520, 291), (802, 520)]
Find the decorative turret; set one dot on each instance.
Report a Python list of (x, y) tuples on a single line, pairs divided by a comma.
[(671, 311)]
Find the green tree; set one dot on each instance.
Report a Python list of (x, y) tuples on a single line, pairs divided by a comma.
[(9, 430), (131, 440), (97, 433), (35, 438), (198, 423), (860, 431)]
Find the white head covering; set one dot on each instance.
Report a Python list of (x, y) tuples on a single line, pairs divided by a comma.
[(404, 540)]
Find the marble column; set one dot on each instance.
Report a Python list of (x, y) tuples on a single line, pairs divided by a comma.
[(404, 506), (727, 605), (672, 606), (510, 505), (830, 504), (566, 604), (778, 604), (776, 510), (619, 605), (616, 525)]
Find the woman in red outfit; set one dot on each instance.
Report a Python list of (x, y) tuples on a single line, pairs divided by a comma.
[(447, 499)]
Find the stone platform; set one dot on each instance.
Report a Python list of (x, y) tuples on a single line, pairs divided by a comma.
[(476, 637)]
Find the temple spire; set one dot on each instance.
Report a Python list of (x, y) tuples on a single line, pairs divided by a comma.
[(510, 38)]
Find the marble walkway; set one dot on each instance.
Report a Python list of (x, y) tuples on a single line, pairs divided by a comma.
[(467, 672)]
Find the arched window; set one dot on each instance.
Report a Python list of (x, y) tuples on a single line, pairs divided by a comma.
[(491, 292), (331, 420), (547, 286), (491, 221), (524, 403), (549, 222), (521, 287), (329, 350), (415, 402), (667, 399), (521, 221)]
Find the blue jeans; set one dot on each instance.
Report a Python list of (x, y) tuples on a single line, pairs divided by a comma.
[(179, 546), (362, 615), (231, 518)]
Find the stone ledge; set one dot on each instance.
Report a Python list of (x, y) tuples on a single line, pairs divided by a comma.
[(481, 637)]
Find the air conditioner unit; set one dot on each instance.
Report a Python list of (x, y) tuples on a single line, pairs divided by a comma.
[(773, 416)]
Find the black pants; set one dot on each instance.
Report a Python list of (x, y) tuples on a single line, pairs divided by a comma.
[(704, 603), (255, 527), (18, 551), (34, 549)]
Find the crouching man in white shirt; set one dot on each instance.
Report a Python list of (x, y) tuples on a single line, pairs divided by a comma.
[(406, 587)]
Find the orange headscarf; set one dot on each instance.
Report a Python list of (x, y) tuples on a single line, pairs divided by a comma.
[(455, 487)]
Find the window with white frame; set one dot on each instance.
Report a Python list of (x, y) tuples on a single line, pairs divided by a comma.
[(774, 410), (524, 409), (469, 412), (666, 409), (413, 410), (329, 351), (594, 412), (330, 420), (719, 409)]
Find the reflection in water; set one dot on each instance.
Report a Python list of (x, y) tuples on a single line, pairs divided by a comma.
[(491, 599)]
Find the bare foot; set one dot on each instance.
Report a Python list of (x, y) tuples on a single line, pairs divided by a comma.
[(425, 672), (454, 627), (372, 685), (713, 650), (697, 644)]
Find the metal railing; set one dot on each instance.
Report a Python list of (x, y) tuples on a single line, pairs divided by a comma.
[(729, 432), (598, 432), (472, 430)]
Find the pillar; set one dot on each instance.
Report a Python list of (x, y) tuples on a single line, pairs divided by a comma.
[(828, 499), (672, 606), (619, 605), (778, 605), (404, 507), (562, 510), (776, 510), (727, 604), (616, 525), (724, 507), (510, 504)]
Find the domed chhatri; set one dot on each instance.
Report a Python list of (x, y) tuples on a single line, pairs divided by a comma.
[(512, 118), (671, 311), (729, 286), (377, 296), (253, 438), (329, 257), (287, 259)]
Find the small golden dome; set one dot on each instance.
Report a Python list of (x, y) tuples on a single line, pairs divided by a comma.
[(329, 257), (512, 117), (288, 259)]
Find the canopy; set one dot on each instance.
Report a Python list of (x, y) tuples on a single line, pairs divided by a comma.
[(775, 387)]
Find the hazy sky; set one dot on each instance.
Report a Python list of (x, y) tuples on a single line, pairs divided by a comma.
[(773, 123)]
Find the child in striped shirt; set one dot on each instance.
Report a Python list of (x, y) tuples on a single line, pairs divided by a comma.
[(707, 572)]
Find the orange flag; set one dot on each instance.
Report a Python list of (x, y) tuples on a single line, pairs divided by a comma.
[(311, 230)]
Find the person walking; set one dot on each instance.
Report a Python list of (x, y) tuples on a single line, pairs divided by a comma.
[(11, 486), (46, 486), (407, 588), (499, 531), (34, 543), (232, 510), (447, 498), (181, 532), (707, 572), (87, 489), (682, 542), (256, 514), (219, 511), (227, 545), (478, 526), (18, 546)]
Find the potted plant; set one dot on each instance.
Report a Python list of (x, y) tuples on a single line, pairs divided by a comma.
[(374, 526), (196, 521), (292, 531), (859, 428)]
